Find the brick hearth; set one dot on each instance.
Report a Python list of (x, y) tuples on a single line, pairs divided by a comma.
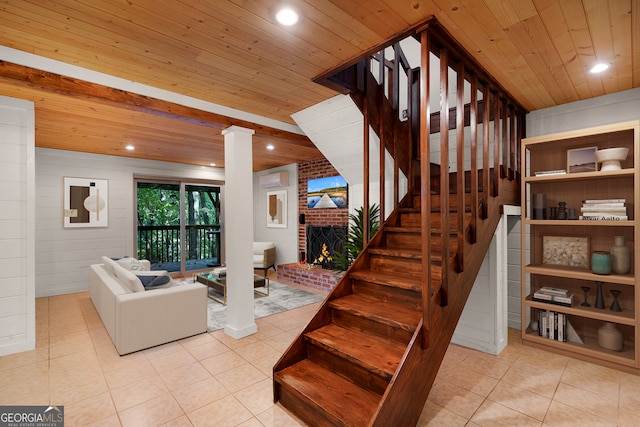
[(316, 278)]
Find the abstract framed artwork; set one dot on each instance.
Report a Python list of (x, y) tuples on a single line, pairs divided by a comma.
[(572, 251), (86, 202), (277, 209)]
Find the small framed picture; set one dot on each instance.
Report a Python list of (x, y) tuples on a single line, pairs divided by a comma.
[(581, 160), (572, 251)]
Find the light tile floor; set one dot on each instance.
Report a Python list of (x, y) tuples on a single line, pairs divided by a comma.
[(214, 380)]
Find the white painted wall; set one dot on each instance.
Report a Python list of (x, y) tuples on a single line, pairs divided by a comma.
[(608, 109), (286, 239), (484, 320), (63, 255), (336, 128), (17, 229)]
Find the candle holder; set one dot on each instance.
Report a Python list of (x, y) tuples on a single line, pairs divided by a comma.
[(615, 305), (585, 289)]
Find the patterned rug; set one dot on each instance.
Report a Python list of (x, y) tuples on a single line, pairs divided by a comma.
[(281, 298)]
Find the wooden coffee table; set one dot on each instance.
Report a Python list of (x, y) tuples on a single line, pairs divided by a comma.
[(220, 284)]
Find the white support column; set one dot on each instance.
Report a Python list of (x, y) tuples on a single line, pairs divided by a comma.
[(238, 213)]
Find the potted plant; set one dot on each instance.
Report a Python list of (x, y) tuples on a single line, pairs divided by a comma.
[(355, 236)]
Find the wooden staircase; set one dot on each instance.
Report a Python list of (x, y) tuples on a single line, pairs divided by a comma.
[(370, 354)]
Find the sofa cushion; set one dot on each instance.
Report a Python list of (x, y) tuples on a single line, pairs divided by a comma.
[(131, 264), (108, 265), (128, 279)]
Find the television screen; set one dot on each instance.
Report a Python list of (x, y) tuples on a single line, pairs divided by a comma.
[(330, 192)]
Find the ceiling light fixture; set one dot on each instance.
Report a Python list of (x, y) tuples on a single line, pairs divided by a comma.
[(130, 147), (212, 164), (287, 16), (270, 147), (598, 68)]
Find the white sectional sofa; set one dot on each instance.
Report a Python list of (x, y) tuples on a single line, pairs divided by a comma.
[(136, 318)]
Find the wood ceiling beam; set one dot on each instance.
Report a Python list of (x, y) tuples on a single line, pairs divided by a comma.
[(75, 87)]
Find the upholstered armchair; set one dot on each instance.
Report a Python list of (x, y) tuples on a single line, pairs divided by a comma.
[(264, 256)]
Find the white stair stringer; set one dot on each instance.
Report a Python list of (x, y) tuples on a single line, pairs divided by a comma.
[(335, 128)]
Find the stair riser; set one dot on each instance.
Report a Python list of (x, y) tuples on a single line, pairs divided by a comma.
[(407, 298), (307, 411), (413, 220), (435, 201), (405, 266), (413, 241), (404, 240), (343, 367), (372, 327)]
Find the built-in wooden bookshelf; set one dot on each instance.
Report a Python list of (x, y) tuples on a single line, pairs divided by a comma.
[(549, 153)]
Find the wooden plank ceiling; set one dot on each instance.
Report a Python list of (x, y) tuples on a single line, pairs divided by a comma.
[(232, 53)]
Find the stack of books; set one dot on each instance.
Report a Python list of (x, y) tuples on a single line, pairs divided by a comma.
[(553, 325), (604, 209), (553, 295)]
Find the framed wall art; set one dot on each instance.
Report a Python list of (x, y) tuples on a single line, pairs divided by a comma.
[(572, 251), (86, 202), (329, 192), (277, 209)]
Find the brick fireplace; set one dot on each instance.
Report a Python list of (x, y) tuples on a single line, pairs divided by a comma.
[(328, 221)]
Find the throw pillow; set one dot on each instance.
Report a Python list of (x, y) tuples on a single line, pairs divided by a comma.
[(151, 282), (131, 264), (128, 279)]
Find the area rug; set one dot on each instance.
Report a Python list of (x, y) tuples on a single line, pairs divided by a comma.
[(281, 298)]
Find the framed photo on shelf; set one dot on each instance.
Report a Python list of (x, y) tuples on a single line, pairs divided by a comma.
[(581, 160), (572, 251)]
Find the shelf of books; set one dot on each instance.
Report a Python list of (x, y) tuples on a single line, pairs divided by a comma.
[(579, 297)]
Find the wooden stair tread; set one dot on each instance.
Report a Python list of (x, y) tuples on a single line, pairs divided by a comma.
[(408, 230), (400, 253), (337, 396), (401, 316), (387, 279), (407, 253), (379, 356)]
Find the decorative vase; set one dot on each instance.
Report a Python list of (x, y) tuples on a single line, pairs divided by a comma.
[(601, 262), (553, 212), (620, 256), (599, 296), (610, 337), (539, 200), (572, 214), (610, 158)]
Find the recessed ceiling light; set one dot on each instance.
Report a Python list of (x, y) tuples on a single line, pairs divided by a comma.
[(212, 164), (130, 147), (270, 147), (598, 68), (287, 16)]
